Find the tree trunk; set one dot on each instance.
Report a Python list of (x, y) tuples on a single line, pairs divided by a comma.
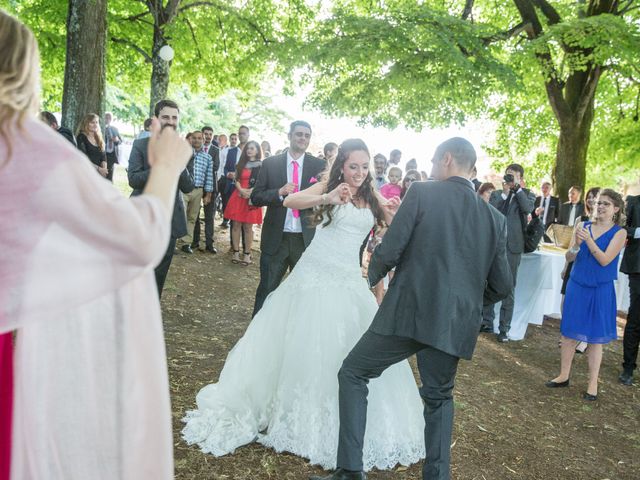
[(159, 72), (85, 67), (571, 153)]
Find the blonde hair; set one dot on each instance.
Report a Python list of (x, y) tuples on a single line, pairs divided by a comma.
[(19, 75), (83, 128)]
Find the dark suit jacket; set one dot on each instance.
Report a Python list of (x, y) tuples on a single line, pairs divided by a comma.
[(233, 155), (476, 184), (66, 133), (448, 246), (631, 257), (552, 214), (272, 177), (565, 212), (138, 173), (520, 206)]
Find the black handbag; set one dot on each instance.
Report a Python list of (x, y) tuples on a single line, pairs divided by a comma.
[(533, 233)]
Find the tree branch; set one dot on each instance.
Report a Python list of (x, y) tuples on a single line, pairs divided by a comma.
[(512, 32), (588, 92), (193, 36), (547, 9), (468, 7), (147, 57), (226, 8)]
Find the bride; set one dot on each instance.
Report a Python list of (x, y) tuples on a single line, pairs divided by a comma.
[(279, 383)]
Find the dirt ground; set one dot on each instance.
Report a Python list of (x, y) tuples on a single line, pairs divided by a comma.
[(507, 425)]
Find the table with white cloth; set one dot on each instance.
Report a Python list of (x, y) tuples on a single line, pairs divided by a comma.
[(538, 291)]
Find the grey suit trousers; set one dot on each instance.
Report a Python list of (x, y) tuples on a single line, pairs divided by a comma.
[(371, 356), (506, 309)]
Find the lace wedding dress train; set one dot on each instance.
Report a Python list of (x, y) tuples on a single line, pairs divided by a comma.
[(279, 383)]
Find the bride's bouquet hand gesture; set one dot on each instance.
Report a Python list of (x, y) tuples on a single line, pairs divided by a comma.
[(339, 195)]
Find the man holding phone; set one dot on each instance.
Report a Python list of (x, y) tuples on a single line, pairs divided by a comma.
[(515, 203)]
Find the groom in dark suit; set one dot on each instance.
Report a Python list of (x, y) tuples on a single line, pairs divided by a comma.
[(167, 112), (285, 232), (449, 250)]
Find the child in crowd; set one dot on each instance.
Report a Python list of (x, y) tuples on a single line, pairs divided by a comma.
[(393, 188)]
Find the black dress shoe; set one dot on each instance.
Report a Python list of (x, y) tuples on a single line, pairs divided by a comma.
[(186, 249), (502, 338), (341, 474), (626, 378), (486, 329), (552, 384), (589, 398), (211, 249)]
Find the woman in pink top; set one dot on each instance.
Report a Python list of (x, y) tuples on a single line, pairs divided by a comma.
[(90, 394), (393, 188)]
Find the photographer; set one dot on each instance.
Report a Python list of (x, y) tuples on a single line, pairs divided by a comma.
[(515, 203)]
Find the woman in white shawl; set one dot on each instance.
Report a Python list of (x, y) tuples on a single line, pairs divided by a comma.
[(90, 393)]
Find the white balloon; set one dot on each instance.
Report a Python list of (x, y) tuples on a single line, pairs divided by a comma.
[(166, 53)]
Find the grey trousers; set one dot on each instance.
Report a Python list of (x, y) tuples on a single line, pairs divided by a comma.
[(371, 356), (506, 309)]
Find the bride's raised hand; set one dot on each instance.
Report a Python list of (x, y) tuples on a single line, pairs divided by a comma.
[(339, 195), (391, 205)]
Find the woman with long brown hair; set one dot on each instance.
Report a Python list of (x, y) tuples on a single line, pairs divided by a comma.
[(91, 143), (279, 383), (91, 396), (244, 215)]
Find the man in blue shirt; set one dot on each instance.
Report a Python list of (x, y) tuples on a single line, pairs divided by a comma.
[(201, 169)]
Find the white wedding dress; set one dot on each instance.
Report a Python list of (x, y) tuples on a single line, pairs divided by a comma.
[(279, 383)]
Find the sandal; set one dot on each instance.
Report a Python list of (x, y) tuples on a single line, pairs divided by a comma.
[(236, 256), (246, 261)]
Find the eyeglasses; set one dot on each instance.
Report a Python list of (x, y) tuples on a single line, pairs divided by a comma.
[(604, 204)]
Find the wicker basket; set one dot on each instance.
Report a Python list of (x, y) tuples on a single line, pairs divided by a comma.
[(560, 234)]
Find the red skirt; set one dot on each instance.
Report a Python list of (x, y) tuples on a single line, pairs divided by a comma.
[(239, 210)]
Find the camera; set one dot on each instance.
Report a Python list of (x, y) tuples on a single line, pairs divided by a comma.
[(508, 178)]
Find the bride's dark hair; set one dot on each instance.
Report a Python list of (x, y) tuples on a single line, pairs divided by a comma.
[(365, 192)]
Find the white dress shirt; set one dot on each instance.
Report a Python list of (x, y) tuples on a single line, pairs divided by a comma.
[(291, 223), (572, 215)]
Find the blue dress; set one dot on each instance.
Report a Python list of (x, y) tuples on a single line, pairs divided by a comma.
[(590, 308)]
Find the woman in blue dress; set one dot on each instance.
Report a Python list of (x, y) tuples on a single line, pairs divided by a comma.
[(590, 304)]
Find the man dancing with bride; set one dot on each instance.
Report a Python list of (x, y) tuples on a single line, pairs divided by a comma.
[(279, 383)]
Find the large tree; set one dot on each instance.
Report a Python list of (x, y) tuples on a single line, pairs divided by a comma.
[(435, 63), (85, 69)]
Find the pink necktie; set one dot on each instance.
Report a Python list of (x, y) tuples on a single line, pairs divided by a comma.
[(295, 177)]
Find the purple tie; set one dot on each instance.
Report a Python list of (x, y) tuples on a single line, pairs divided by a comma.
[(295, 177)]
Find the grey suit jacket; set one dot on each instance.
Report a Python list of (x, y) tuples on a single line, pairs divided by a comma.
[(448, 247), (138, 173), (631, 257), (520, 206)]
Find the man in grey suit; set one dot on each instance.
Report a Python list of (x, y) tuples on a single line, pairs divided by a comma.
[(515, 203), (167, 112), (448, 247)]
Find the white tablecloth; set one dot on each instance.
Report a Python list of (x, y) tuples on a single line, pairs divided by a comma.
[(538, 291)]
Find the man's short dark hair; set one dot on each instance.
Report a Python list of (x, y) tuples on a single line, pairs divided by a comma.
[(576, 187), (329, 147), (516, 167), (162, 104), (48, 118), (243, 126), (460, 149), (395, 151), (298, 123), (206, 128), (147, 123)]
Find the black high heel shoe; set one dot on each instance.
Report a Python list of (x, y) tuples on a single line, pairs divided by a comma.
[(552, 384), (589, 398)]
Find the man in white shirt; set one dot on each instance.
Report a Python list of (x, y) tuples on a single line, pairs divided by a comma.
[(546, 207), (285, 232), (573, 209)]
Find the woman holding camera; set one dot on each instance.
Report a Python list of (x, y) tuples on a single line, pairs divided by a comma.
[(590, 306)]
